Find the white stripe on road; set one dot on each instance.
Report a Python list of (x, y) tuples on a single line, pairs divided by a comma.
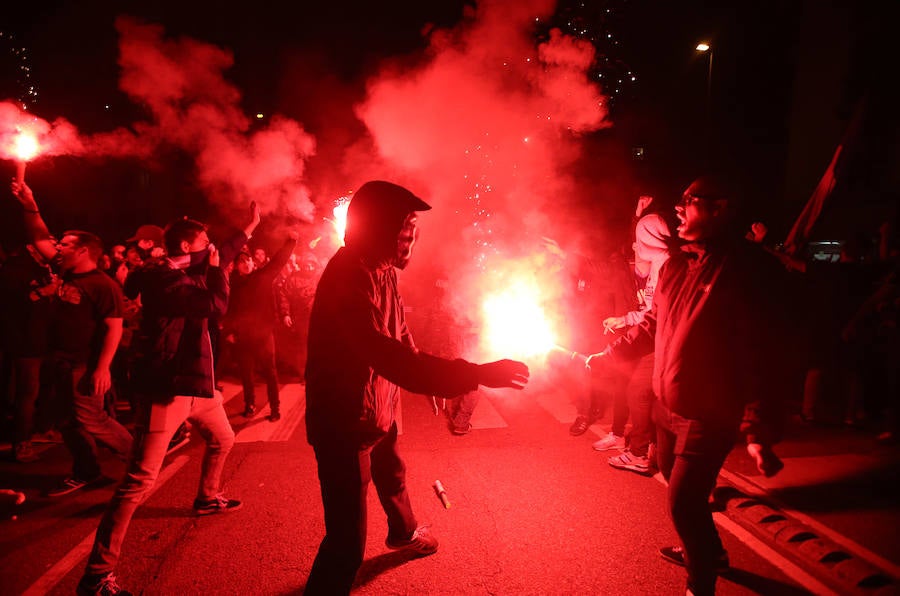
[(751, 489), (293, 405), (790, 569), (81, 550)]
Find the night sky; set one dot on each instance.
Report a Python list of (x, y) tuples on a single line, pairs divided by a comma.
[(312, 63)]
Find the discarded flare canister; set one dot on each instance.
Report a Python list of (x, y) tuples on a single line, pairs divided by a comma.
[(441, 494)]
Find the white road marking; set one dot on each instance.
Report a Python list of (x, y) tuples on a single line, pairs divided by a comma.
[(81, 550), (293, 405), (751, 489)]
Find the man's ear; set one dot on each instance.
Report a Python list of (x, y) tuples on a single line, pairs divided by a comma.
[(719, 207), (185, 247)]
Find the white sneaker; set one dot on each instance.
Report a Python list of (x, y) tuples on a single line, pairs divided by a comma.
[(610, 441)]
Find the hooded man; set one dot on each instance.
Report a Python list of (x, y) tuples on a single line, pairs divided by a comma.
[(360, 354)]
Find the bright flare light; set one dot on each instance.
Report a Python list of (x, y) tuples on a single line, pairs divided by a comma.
[(25, 146), (340, 217), (515, 324)]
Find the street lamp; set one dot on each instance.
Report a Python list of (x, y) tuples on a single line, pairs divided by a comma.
[(706, 48)]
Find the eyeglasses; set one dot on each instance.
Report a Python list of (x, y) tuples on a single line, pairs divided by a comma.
[(688, 200)]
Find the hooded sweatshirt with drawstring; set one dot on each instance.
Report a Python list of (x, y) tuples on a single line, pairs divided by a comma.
[(653, 240)]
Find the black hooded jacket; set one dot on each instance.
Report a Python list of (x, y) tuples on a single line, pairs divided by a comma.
[(173, 349), (360, 348)]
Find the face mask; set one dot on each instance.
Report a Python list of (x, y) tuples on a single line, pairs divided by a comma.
[(407, 237), (199, 257)]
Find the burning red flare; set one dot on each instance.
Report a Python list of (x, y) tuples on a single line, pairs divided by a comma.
[(340, 218), (515, 324), (25, 146)]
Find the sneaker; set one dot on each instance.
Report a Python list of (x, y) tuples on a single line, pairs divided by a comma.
[(24, 453), (274, 416), (610, 441), (675, 554), (461, 430), (421, 543), (218, 504), (630, 461), (104, 585), (249, 412), (580, 426), (70, 485)]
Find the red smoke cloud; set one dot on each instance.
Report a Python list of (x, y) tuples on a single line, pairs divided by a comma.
[(192, 107), (485, 129)]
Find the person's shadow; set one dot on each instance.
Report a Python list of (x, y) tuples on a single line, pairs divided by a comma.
[(371, 569)]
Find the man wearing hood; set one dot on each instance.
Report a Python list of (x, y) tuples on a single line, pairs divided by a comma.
[(360, 354), (714, 330)]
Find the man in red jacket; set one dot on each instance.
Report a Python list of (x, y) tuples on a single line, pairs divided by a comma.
[(713, 329), (360, 354)]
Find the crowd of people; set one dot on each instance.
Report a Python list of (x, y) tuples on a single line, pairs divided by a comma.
[(151, 324)]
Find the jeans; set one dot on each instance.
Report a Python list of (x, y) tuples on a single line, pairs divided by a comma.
[(156, 424), (690, 454), (253, 349), (640, 403), (85, 420), (344, 475)]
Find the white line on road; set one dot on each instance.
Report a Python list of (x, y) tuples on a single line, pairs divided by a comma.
[(752, 490), (81, 550), (790, 569)]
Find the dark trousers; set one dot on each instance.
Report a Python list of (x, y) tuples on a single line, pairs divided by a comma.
[(640, 404), (607, 388), (344, 475), (690, 455), (27, 371), (257, 350), (85, 421)]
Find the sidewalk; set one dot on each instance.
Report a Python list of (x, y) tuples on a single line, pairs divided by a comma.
[(834, 509)]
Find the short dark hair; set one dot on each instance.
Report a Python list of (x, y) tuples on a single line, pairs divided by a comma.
[(182, 230), (91, 242)]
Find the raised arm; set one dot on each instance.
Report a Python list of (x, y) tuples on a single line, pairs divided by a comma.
[(35, 227)]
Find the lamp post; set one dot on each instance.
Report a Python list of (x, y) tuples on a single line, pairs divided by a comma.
[(705, 48)]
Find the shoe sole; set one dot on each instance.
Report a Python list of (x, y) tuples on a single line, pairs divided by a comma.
[(409, 549), (204, 512), (610, 448), (641, 471)]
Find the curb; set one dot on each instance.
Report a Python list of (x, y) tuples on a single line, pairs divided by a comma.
[(821, 556)]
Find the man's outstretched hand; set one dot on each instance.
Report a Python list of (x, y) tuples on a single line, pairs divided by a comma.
[(503, 373)]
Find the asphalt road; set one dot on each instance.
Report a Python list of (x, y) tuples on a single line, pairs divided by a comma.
[(533, 511)]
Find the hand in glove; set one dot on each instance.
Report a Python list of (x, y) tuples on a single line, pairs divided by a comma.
[(503, 373)]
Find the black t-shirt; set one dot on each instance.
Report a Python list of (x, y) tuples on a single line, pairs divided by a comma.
[(83, 301)]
